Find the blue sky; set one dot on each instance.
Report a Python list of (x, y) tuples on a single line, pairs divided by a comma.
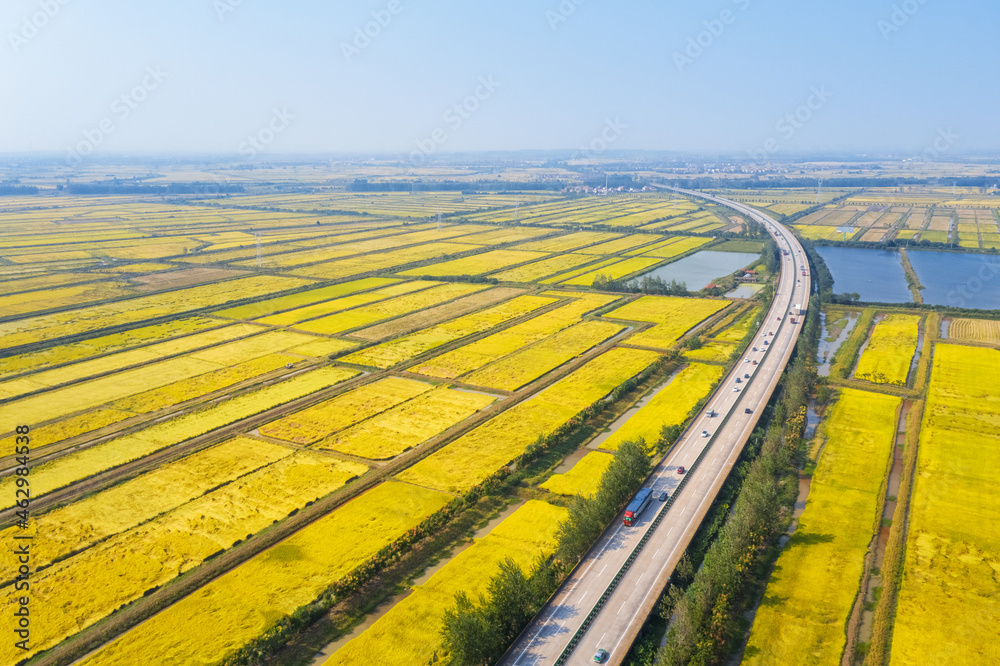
[(206, 75)]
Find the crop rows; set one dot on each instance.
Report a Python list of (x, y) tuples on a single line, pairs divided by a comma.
[(950, 596)]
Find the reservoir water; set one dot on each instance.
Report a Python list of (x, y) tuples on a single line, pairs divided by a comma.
[(701, 268), (962, 280), (877, 275)]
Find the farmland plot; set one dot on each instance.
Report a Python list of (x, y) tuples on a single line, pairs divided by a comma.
[(584, 477), (79, 465), (670, 406), (950, 597), (975, 330), (410, 631), (405, 348), (890, 350), (78, 591), (672, 317), (478, 454), (813, 588), (236, 607), (407, 425)]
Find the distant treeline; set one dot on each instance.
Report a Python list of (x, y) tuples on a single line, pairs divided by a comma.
[(14, 190), (362, 185), (615, 180), (111, 187), (846, 182)]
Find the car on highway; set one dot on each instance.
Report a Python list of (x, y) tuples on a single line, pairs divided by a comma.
[(736, 389), (600, 656), (755, 362), (663, 496), (704, 433), (770, 332), (680, 469), (746, 360), (739, 381), (748, 411), (755, 349), (746, 376), (766, 342)]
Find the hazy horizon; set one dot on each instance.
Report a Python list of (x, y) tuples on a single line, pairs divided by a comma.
[(727, 78)]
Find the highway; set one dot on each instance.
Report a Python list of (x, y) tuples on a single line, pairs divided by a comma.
[(606, 599)]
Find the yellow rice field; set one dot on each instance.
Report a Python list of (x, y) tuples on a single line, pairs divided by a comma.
[(407, 347), (815, 583), (407, 425), (950, 596), (394, 307), (477, 354), (522, 367), (544, 268), (478, 454), (78, 591), (314, 423), (583, 478), (436, 315), (672, 317), (96, 317), (236, 607), (890, 350), (115, 362), (670, 406), (477, 264), (96, 517), (347, 302), (975, 330), (78, 465), (616, 271), (78, 351), (410, 631), (303, 298)]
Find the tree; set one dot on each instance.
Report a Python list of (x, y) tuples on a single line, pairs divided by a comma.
[(468, 634)]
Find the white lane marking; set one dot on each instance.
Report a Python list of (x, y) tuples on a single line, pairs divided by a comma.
[(605, 567)]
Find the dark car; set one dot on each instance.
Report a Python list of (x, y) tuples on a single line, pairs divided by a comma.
[(748, 411), (663, 496)]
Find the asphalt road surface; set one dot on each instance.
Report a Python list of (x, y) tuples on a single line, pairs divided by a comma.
[(592, 611)]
